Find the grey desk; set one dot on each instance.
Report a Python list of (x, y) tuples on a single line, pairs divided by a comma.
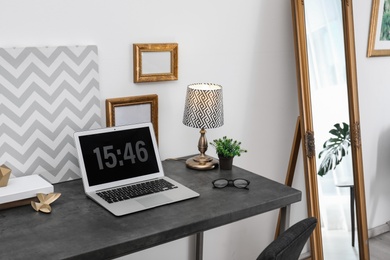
[(78, 228)]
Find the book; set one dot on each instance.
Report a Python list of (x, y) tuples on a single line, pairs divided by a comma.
[(21, 190)]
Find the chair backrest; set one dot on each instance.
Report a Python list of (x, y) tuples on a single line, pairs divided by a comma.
[(289, 245)]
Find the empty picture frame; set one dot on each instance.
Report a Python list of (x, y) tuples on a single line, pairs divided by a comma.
[(133, 110), (155, 62)]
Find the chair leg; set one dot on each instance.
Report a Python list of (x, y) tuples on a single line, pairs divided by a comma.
[(352, 198)]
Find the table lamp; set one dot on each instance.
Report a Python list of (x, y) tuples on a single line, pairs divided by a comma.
[(203, 109)]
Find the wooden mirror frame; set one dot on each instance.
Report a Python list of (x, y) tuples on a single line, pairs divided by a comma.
[(306, 125)]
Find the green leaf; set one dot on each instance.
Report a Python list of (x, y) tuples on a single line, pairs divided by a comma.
[(227, 147), (335, 148)]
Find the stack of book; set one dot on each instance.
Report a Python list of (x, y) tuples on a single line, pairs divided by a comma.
[(22, 190)]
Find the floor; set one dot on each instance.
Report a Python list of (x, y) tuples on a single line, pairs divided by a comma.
[(380, 247), (338, 245)]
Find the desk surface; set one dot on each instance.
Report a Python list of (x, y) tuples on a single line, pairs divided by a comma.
[(79, 228)]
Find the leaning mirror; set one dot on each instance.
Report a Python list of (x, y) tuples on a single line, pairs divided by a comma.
[(329, 111)]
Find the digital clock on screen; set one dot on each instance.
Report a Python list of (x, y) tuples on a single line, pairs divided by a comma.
[(118, 155), (110, 157)]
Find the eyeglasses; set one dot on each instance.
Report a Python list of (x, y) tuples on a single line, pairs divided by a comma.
[(238, 183)]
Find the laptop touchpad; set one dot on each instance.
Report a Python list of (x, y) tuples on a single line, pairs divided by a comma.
[(154, 200)]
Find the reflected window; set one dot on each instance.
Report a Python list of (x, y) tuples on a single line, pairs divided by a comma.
[(325, 43)]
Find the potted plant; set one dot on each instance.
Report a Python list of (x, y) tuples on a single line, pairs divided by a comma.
[(335, 148), (227, 148)]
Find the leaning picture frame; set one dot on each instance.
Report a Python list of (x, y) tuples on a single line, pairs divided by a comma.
[(132, 110), (379, 36), (155, 62)]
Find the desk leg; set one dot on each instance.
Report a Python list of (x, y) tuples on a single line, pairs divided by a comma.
[(199, 246), (284, 219), (352, 198), (284, 224)]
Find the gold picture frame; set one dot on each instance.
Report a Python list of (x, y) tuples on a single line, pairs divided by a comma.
[(376, 45), (155, 62), (142, 109)]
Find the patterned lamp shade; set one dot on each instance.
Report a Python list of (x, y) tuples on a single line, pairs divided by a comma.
[(204, 106)]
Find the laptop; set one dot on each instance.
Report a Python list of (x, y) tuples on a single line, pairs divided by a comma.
[(120, 164)]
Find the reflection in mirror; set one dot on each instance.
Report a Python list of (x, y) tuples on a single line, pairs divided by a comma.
[(329, 109), (156, 62), (329, 96)]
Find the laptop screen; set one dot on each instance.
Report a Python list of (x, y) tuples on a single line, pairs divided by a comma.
[(118, 155)]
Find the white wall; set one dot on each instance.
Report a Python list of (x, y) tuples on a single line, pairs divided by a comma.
[(374, 93), (247, 47)]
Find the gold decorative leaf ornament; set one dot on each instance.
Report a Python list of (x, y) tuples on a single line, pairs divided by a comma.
[(44, 202)]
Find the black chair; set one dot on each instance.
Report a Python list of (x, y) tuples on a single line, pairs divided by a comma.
[(289, 245)]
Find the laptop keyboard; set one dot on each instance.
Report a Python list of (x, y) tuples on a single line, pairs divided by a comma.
[(135, 190)]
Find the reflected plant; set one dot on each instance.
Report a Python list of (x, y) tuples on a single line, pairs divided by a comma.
[(335, 148)]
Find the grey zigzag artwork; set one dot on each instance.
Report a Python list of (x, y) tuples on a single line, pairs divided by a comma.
[(46, 94)]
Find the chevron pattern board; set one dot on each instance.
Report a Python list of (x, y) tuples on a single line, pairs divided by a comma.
[(46, 94)]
